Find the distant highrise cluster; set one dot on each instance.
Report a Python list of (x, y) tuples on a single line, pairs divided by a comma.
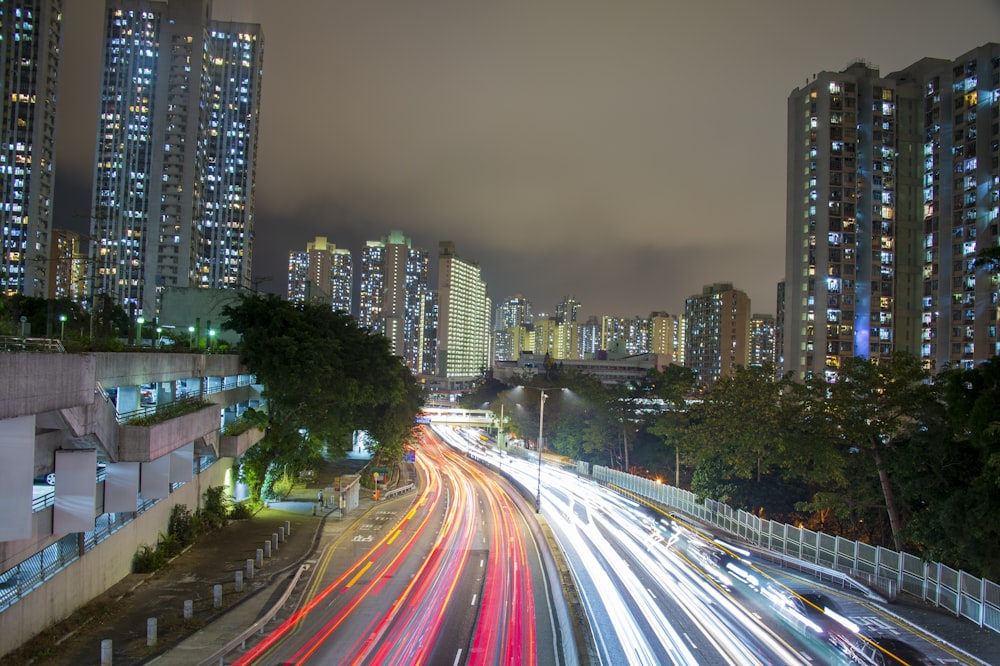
[(322, 273), (718, 331), (893, 189)]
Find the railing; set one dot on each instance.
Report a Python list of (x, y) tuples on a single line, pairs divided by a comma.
[(14, 343), (24, 577), (958, 592)]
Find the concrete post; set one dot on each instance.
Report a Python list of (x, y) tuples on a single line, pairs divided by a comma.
[(274, 542), (267, 549), (250, 568), (281, 535), (106, 652), (217, 596), (151, 632), (260, 557), (288, 528), (188, 609), (239, 581)]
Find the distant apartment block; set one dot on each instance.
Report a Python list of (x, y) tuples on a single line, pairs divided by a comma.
[(718, 329), (67, 267), (463, 346), (512, 319), (395, 298), (30, 32), (667, 336), (761, 340), (323, 273)]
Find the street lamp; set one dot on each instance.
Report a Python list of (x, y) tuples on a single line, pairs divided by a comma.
[(190, 337), (541, 422), (62, 326), (159, 335), (211, 338), (140, 320)]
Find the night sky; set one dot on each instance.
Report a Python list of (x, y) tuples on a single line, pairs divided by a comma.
[(626, 153)]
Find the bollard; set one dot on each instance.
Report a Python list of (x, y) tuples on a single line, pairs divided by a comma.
[(288, 528), (151, 632), (239, 581), (106, 652), (250, 568), (281, 534), (267, 549), (188, 609), (217, 596), (274, 541), (314, 509), (260, 557)]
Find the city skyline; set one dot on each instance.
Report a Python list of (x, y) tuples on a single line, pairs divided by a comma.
[(572, 152)]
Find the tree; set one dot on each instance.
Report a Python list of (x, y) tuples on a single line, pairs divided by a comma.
[(324, 377), (673, 386), (874, 407)]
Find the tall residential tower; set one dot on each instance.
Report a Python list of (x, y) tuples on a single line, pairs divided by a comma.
[(30, 32), (173, 194)]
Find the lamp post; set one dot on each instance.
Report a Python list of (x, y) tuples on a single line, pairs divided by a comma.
[(159, 335), (541, 422), (62, 326), (190, 337), (140, 320), (211, 339)]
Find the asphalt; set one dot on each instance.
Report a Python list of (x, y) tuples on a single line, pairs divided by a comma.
[(121, 615)]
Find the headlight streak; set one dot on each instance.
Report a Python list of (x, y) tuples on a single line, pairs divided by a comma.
[(728, 627)]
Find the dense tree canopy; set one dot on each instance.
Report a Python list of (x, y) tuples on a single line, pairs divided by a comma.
[(324, 377)]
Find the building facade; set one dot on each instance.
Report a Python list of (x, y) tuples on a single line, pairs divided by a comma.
[(395, 299), (892, 191), (30, 33), (512, 318), (718, 330), (463, 346), (323, 273), (761, 341), (173, 193)]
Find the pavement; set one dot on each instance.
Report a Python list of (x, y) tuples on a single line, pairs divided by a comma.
[(121, 614)]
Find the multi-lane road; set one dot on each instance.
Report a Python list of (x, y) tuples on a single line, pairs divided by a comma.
[(452, 577)]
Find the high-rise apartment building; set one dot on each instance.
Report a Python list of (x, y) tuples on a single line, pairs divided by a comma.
[(666, 336), (395, 300), (67, 267), (512, 318), (173, 197), (956, 197), (463, 347), (323, 273), (892, 190), (718, 330), (30, 32), (761, 351)]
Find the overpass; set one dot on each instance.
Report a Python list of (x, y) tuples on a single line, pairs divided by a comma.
[(457, 416)]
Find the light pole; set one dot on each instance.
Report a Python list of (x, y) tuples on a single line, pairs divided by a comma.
[(62, 326), (190, 337), (159, 335), (140, 320), (541, 423), (211, 339)]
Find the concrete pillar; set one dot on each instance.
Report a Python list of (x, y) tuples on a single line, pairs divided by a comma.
[(150, 632), (128, 399), (250, 568), (217, 596), (188, 609), (106, 652), (239, 582), (267, 549), (274, 541), (288, 528), (260, 557), (281, 535)]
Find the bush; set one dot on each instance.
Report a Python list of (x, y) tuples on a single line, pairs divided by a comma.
[(243, 510), (148, 559), (182, 527), (216, 510)]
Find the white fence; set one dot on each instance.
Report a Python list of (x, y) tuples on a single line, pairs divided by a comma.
[(964, 595)]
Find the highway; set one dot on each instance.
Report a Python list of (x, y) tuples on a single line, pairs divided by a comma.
[(451, 577), (658, 590)]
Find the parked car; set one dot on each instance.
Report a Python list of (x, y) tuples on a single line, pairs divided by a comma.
[(49, 478)]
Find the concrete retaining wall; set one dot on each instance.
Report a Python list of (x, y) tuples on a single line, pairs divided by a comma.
[(101, 567)]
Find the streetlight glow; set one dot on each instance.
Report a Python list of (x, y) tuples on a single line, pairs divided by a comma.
[(62, 326), (140, 320)]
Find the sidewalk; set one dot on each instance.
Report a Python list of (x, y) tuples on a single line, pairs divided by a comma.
[(121, 613)]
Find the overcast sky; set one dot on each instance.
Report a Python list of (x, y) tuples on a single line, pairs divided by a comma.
[(626, 153)]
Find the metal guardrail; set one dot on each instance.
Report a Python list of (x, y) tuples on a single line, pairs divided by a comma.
[(396, 492), (219, 655), (14, 343), (958, 592)]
